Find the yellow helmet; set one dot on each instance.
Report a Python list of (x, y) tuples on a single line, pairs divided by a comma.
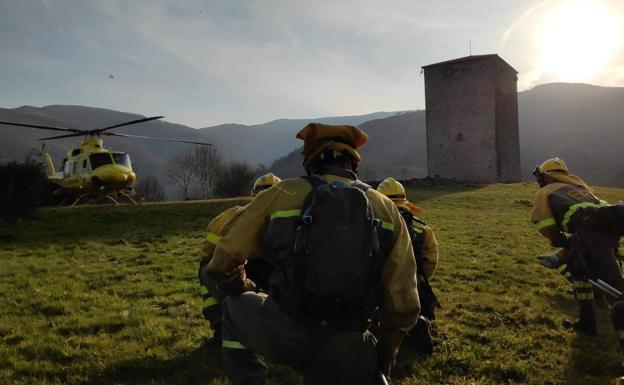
[(264, 182), (391, 188), (551, 166)]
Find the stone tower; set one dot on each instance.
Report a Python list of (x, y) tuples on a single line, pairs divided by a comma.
[(472, 120)]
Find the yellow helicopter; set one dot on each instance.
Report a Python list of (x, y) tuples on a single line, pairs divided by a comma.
[(92, 173)]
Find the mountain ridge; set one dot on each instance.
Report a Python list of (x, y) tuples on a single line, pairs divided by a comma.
[(581, 123), (151, 157)]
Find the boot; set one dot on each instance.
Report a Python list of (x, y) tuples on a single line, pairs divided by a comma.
[(586, 324), (215, 339), (617, 317), (422, 332)]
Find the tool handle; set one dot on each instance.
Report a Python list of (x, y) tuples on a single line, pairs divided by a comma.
[(382, 378)]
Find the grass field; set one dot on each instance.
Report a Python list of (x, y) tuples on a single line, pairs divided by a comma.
[(108, 295)]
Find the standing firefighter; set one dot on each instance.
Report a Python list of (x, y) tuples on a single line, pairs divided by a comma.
[(340, 249), (426, 253), (572, 217), (259, 269)]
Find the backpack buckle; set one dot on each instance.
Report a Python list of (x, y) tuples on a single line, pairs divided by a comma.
[(307, 219), (376, 223)]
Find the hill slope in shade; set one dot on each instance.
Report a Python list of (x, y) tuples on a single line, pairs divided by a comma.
[(108, 295), (580, 123), (396, 147), (254, 144), (263, 143), (148, 157)]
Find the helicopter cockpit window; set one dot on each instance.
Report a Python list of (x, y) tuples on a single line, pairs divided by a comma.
[(99, 160), (122, 159)]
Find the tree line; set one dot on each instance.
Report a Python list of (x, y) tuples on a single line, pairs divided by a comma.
[(203, 174)]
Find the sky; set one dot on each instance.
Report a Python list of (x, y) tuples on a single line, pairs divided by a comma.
[(203, 63)]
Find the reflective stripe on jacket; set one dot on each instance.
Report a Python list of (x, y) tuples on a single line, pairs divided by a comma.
[(215, 228)]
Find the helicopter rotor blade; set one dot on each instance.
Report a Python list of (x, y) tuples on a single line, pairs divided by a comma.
[(99, 130), (43, 127), (63, 136), (155, 138)]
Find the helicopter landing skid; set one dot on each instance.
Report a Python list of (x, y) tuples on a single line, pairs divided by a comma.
[(122, 198), (116, 198)]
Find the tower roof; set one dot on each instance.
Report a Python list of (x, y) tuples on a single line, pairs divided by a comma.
[(469, 59)]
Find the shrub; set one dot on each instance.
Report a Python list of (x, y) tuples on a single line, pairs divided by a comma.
[(23, 186), (150, 189), (235, 179)]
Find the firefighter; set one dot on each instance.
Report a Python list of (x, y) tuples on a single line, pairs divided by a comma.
[(426, 252), (586, 252), (325, 351), (259, 269)]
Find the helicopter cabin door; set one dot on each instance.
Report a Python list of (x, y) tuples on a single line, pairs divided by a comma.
[(85, 167)]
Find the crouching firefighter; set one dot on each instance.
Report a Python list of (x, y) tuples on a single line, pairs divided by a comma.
[(340, 249), (426, 253), (566, 212), (259, 269)]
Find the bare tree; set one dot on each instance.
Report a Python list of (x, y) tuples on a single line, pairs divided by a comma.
[(206, 165), (150, 189), (180, 171), (235, 179)]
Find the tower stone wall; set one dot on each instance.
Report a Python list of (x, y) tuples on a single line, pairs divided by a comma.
[(472, 120)]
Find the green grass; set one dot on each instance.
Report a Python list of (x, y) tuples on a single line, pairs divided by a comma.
[(109, 295)]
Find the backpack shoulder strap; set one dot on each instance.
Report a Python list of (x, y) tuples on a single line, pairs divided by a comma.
[(407, 216), (420, 221)]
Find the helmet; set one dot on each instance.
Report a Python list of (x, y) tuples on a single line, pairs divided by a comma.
[(551, 166), (319, 138), (264, 182), (391, 188)]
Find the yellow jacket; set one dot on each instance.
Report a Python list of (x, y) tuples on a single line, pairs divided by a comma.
[(554, 206), (429, 247), (244, 235), (215, 229)]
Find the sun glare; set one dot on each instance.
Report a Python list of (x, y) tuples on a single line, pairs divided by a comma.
[(578, 39)]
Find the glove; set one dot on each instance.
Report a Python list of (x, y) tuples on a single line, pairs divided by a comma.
[(551, 261), (249, 285), (388, 348), (237, 286)]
